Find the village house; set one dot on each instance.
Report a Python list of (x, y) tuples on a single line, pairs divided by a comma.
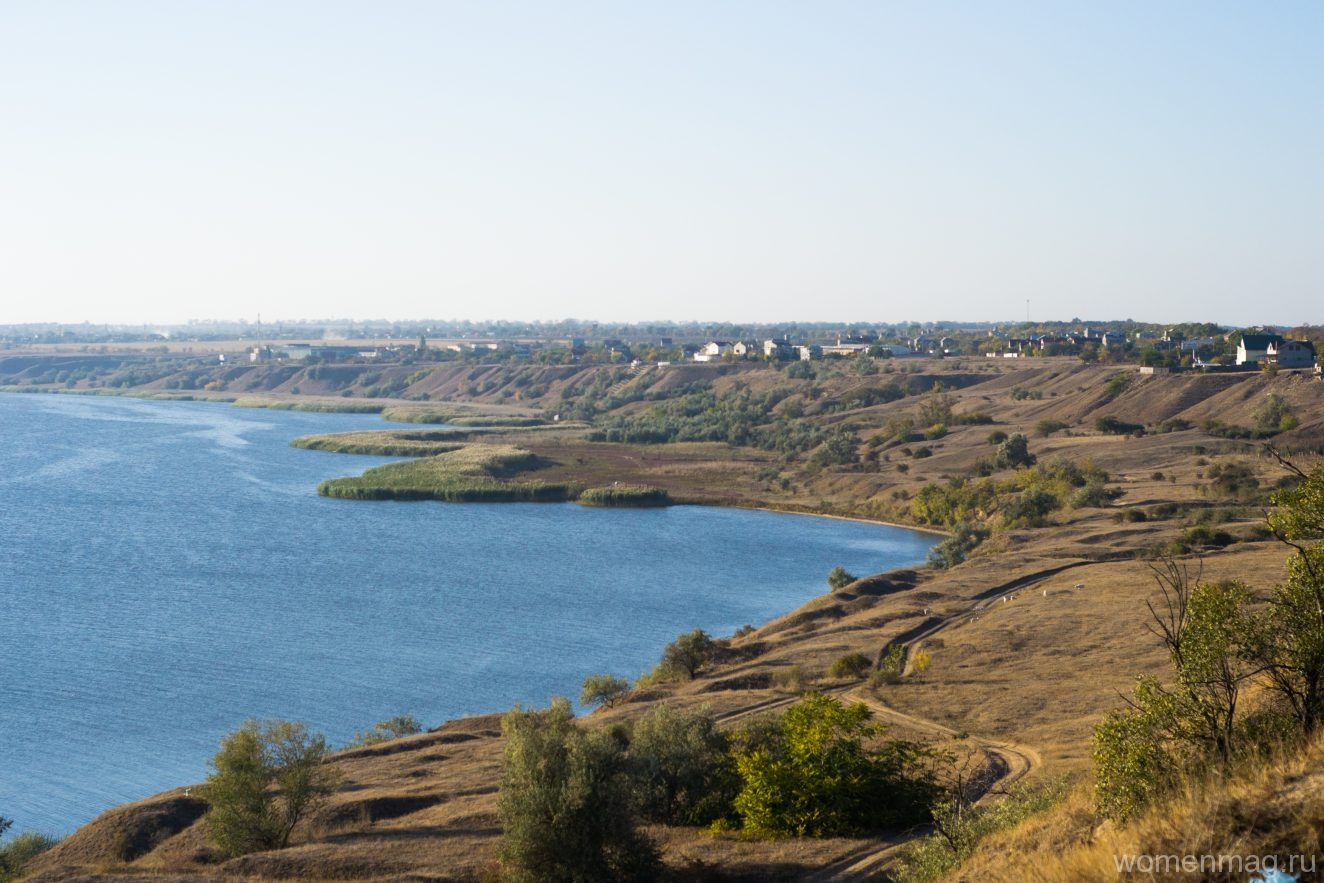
[(713, 351), (777, 349), (1254, 347), (1291, 354)]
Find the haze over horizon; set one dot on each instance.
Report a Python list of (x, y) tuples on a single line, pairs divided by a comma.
[(727, 162)]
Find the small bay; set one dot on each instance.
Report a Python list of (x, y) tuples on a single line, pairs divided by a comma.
[(168, 570)]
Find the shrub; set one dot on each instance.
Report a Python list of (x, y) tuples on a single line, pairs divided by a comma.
[(957, 547), (1013, 453), (1029, 508), (852, 665), (1045, 428), (813, 776), (244, 815), (839, 578), (1271, 416), (997, 437), (385, 730), (15, 855), (1113, 426), (680, 767), (935, 432), (564, 802), (795, 679), (603, 689), (933, 857), (624, 495)]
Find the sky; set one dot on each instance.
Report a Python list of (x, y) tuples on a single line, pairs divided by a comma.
[(626, 161)]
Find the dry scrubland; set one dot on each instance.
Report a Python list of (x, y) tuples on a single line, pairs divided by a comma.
[(1025, 678)]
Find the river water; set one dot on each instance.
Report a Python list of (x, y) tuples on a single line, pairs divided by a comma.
[(168, 570)]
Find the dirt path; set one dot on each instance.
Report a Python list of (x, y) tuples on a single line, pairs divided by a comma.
[(1016, 761)]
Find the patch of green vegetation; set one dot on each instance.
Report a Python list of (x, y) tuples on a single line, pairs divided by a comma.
[(385, 443), (459, 417), (1023, 500), (317, 406), (386, 730), (474, 473), (625, 495), (933, 857)]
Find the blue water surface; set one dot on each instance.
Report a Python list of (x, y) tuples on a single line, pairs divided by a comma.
[(168, 570)]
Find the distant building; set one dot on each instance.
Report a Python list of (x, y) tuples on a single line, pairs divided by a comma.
[(713, 351), (777, 349), (808, 352), (1254, 347), (1291, 354)]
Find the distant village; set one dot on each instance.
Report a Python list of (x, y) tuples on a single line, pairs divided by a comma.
[(1155, 352), (1155, 349)]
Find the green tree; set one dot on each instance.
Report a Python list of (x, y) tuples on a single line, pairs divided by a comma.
[(1290, 638), (1013, 453), (957, 547), (1206, 629), (812, 776), (681, 768), (245, 815), (603, 689), (936, 406), (686, 655), (565, 801), (839, 578)]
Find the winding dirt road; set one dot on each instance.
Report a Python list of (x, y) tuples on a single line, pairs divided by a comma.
[(1014, 761)]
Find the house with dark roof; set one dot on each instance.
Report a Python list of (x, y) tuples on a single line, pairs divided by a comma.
[(1254, 347), (1291, 354)]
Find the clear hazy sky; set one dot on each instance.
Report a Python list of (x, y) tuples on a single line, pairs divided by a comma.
[(1159, 160)]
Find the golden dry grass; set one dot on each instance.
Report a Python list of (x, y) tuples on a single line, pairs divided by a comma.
[(1039, 670)]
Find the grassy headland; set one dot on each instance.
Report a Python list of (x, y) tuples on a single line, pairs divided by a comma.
[(475, 473)]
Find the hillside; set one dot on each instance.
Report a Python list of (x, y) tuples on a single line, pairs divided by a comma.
[(1031, 639)]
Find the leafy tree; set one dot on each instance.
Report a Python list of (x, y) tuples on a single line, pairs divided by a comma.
[(1274, 415), (1205, 629), (813, 776), (838, 449), (936, 406), (1290, 639), (839, 578), (681, 768), (565, 802), (687, 654), (245, 815), (957, 547), (603, 689), (1013, 453)]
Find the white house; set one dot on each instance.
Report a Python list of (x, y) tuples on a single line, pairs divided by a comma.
[(1254, 347), (712, 351)]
